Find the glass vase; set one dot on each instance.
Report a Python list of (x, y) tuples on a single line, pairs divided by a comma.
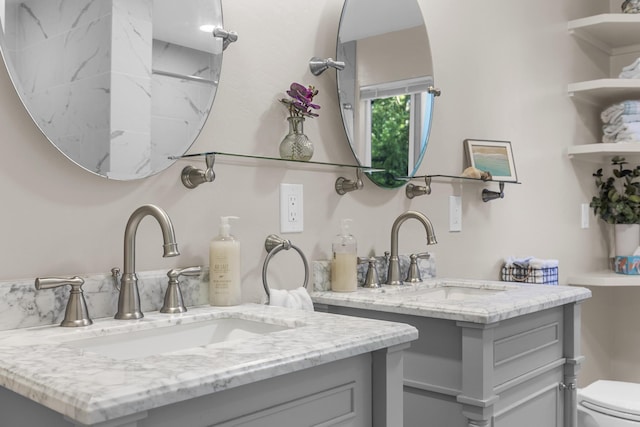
[(296, 145)]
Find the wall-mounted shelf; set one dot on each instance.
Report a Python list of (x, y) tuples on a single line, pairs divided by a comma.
[(604, 278), (613, 33), (602, 153), (202, 156), (487, 195), (192, 177), (603, 92), (444, 178)]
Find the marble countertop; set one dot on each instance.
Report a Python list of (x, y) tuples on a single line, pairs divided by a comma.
[(509, 300), (40, 363)]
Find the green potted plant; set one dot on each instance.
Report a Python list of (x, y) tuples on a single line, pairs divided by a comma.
[(618, 203)]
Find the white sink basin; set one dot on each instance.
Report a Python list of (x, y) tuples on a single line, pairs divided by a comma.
[(450, 291), (167, 339), (454, 292)]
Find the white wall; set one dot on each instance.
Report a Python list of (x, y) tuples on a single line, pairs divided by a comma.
[(503, 69)]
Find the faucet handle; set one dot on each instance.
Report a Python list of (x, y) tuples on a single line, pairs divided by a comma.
[(115, 275), (173, 302), (76, 313), (371, 280), (413, 274)]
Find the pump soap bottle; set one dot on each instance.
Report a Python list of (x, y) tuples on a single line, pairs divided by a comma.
[(224, 267), (344, 265)]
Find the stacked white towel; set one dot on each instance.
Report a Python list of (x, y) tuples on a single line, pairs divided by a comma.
[(631, 71), (297, 298), (621, 122)]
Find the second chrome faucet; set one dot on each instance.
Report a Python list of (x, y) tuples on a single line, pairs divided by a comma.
[(393, 275), (129, 297)]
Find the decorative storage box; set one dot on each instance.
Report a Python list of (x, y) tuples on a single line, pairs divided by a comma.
[(626, 264), (544, 276)]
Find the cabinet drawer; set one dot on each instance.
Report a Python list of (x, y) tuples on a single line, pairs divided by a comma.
[(328, 408), (527, 343)]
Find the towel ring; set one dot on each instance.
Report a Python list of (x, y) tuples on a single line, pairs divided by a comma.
[(274, 244)]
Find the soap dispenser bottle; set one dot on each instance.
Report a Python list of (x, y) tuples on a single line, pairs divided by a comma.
[(224, 267), (344, 265)]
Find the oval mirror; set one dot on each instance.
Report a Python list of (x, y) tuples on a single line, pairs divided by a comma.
[(118, 86), (386, 88)]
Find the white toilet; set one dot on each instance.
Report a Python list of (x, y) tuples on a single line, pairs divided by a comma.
[(609, 404)]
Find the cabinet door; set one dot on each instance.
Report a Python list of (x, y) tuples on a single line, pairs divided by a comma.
[(334, 394), (328, 408), (539, 402)]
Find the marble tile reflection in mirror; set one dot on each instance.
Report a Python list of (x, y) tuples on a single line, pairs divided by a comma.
[(118, 86), (384, 90)]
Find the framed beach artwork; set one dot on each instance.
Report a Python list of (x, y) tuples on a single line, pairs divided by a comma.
[(495, 157)]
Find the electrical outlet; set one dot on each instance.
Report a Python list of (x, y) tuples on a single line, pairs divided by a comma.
[(291, 208), (455, 213)]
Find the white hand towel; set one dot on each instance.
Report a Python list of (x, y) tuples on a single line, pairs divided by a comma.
[(628, 135), (298, 298), (615, 126), (623, 127), (635, 65), (621, 132), (621, 137), (631, 74), (613, 112)]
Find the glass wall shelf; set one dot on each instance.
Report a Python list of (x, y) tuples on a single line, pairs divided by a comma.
[(412, 190), (366, 169), (461, 178), (192, 176)]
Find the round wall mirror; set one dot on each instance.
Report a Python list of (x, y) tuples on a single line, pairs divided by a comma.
[(118, 86), (386, 88)]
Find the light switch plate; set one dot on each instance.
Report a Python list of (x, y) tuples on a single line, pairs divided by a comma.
[(584, 215), (291, 208), (455, 213)]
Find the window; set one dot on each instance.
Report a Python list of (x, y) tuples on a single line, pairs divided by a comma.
[(397, 122)]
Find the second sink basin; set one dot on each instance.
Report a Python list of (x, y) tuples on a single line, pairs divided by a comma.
[(143, 343), (454, 292), (446, 290)]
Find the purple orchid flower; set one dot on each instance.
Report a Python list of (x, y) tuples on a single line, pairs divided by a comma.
[(300, 104)]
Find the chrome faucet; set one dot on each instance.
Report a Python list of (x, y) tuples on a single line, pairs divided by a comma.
[(393, 274), (129, 298)]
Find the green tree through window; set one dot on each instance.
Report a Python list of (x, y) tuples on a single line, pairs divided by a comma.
[(390, 122)]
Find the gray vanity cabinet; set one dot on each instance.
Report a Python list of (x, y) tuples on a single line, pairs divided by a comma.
[(360, 391), (517, 372)]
